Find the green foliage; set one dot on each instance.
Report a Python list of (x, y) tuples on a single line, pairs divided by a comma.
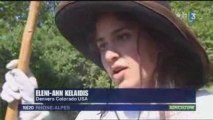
[(12, 12), (54, 62), (203, 24)]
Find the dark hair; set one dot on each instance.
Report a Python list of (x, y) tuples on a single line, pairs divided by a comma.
[(177, 65)]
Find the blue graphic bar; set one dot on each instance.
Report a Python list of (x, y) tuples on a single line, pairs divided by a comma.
[(123, 107), (115, 95)]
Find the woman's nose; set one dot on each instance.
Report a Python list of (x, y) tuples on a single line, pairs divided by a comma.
[(111, 56)]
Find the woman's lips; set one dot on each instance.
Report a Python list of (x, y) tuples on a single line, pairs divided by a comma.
[(118, 74)]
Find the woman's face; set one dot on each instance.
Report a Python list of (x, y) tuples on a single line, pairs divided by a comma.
[(129, 63)]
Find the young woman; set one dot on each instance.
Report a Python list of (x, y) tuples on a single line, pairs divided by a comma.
[(139, 44)]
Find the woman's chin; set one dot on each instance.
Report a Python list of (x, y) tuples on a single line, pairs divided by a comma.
[(125, 84)]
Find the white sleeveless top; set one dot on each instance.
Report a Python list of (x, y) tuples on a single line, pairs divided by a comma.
[(204, 104)]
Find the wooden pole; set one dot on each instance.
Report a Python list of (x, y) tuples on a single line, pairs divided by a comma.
[(25, 52)]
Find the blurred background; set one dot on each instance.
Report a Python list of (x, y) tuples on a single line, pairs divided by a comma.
[(56, 63)]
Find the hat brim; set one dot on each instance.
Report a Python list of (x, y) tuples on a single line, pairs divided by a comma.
[(76, 21)]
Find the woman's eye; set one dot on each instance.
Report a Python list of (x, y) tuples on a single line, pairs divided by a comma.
[(102, 46), (124, 36)]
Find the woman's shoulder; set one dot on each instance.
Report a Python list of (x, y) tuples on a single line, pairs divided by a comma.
[(203, 95), (203, 107), (204, 103), (204, 99)]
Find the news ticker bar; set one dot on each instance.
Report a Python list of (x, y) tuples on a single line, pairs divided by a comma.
[(115, 95), (74, 107)]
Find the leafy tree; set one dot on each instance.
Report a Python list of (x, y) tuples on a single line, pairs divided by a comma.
[(55, 62)]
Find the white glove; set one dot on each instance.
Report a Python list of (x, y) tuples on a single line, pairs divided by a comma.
[(20, 86)]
